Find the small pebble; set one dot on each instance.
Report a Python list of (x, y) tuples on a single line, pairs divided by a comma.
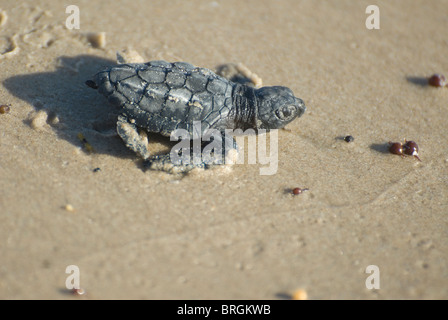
[(299, 294), (39, 120), (396, 148), (411, 149), (78, 292), (349, 139), (297, 191), (437, 80), (69, 208), (53, 119), (97, 39), (4, 109)]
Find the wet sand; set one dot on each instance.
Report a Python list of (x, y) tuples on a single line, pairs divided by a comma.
[(227, 234)]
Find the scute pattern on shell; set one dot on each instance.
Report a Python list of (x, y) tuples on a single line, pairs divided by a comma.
[(163, 96)]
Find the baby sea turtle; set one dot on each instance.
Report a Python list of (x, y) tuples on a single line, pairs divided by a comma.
[(163, 97)]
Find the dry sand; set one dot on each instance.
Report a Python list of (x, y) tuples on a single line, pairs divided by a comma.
[(234, 235)]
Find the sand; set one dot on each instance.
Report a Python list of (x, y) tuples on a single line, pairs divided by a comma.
[(227, 234)]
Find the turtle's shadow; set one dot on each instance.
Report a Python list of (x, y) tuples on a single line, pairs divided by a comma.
[(419, 81), (80, 109), (63, 93)]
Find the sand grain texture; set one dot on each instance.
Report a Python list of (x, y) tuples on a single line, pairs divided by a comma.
[(234, 235)]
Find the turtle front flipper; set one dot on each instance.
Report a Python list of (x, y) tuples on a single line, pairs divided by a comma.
[(128, 131), (220, 151)]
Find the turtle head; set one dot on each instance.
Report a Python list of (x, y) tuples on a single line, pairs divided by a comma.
[(277, 106)]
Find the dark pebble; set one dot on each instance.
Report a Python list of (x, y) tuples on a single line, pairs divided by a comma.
[(437, 80), (4, 109), (349, 139)]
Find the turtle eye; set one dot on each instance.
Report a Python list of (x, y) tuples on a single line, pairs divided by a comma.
[(286, 113)]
